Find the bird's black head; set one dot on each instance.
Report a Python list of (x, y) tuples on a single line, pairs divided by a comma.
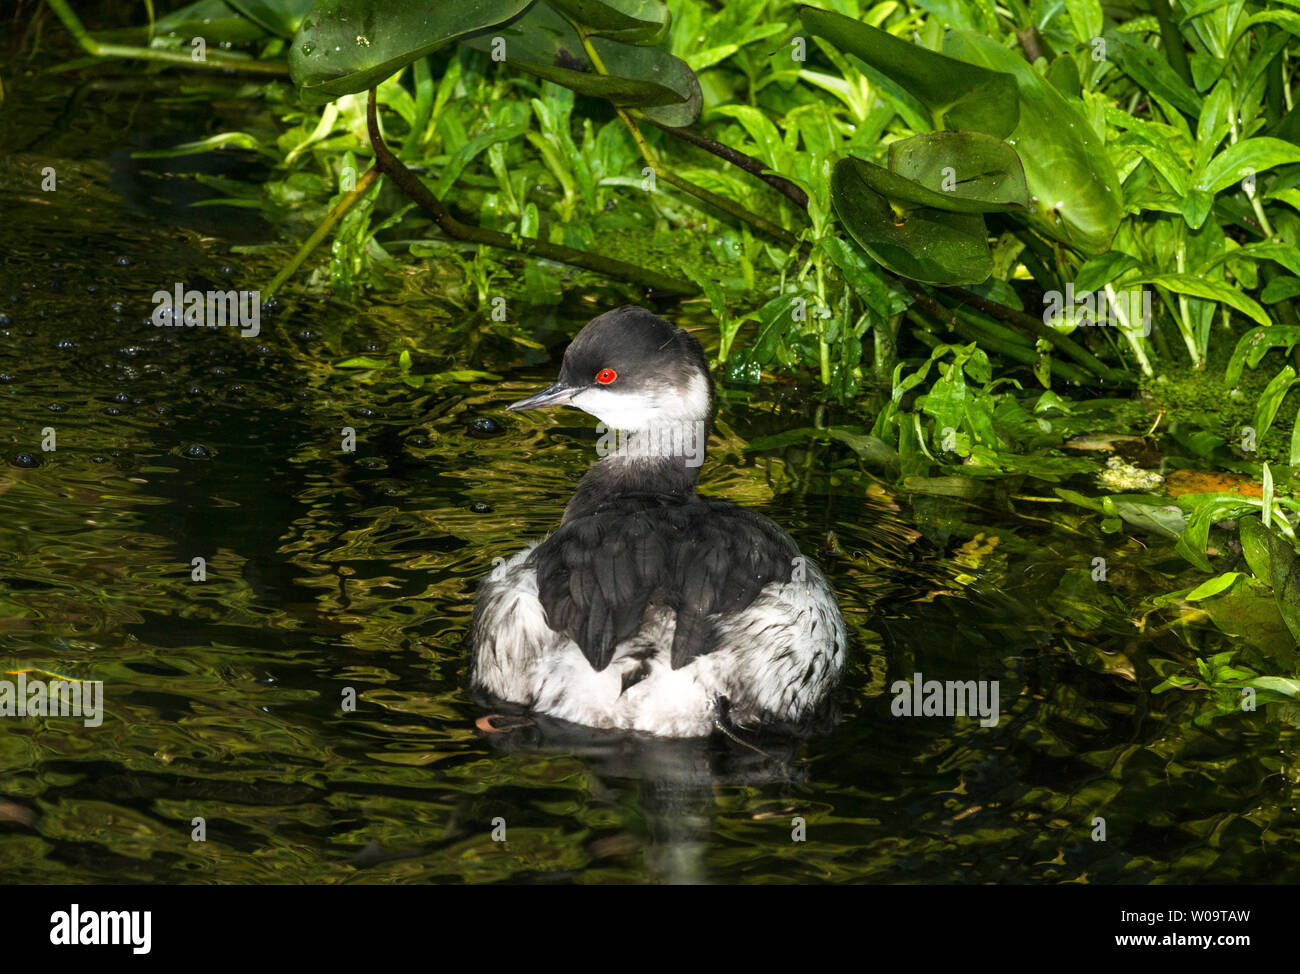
[(633, 371)]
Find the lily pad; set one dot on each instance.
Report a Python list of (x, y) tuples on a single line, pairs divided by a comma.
[(1072, 179), (923, 243), (966, 172)]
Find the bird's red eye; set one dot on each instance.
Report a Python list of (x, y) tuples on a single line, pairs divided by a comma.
[(606, 376)]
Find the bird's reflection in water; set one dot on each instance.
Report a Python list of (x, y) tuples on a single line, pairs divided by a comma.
[(675, 778)]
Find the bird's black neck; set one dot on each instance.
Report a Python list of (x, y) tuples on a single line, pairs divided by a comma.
[(636, 470)]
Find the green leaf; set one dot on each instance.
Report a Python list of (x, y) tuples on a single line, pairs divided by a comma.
[(1066, 165), (1283, 572), (1285, 254), (215, 20), (870, 448), (1271, 398), (1063, 75), (1213, 587), (960, 96), (1245, 158), (925, 244), (1255, 546), (1210, 290), (1085, 17), (1105, 269), (543, 43), (281, 17), (1280, 289), (630, 21), (1255, 344), (1148, 67), (971, 171), (346, 46)]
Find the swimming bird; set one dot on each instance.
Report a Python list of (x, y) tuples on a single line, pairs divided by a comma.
[(651, 608)]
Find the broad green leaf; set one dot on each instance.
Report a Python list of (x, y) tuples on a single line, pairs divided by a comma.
[(543, 43), (1283, 572), (1066, 165), (215, 20), (630, 21), (1105, 269), (1063, 75), (961, 172), (1214, 123), (1255, 546), (924, 244), (868, 447), (1285, 254), (959, 95), (1280, 289), (346, 46), (972, 167)]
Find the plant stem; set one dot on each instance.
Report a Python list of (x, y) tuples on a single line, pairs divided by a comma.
[(1135, 340), (737, 158), (367, 180), (1184, 310), (1029, 325), (727, 206), (410, 184), (218, 62)]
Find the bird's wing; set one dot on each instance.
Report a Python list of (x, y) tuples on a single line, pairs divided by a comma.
[(597, 574)]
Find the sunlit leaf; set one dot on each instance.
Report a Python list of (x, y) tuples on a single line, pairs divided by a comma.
[(960, 96), (1066, 165)]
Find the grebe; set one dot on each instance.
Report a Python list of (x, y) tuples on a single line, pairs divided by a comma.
[(651, 608)]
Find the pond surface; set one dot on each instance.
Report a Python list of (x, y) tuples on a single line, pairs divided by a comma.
[(329, 570)]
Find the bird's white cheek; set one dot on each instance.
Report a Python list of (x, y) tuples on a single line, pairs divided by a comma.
[(621, 411), (648, 408)]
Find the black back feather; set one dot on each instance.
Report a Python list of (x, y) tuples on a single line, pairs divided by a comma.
[(601, 570)]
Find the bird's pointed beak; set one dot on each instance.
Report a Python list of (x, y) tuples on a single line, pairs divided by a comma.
[(554, 395)]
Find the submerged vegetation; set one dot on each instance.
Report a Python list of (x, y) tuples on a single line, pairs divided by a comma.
[(1033, 255)]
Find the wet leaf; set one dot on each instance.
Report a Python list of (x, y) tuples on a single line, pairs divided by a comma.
[(963, 172), (1066, 165), (543, 43), (1283, 572), (1148, 67), (215, 20), (346, 46), (924, 244)]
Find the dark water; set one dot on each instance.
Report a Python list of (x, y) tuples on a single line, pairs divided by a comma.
[(330, 570)]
